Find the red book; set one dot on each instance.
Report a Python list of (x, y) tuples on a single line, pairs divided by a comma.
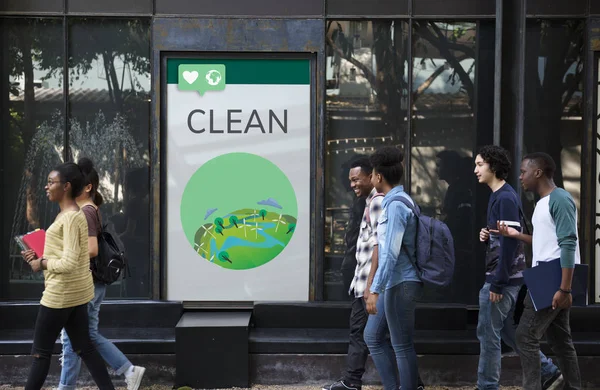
[(36, 240)]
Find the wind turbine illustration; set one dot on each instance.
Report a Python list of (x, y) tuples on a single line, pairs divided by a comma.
[(279, 220), (243, 226), (200, 248), (256, 229), (207, 230)]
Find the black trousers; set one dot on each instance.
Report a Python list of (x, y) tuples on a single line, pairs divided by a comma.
[(555, 325), (48, 325), (357, 350), (348, 268)]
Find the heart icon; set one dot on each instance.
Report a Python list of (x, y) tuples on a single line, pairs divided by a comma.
[(190, 77)]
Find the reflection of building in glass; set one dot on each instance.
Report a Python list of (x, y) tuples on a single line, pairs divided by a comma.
[(367, 101), (554, 98), (108, 115), (372, 72)]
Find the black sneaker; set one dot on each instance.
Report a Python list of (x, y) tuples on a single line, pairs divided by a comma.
[(420, 387), (554, 383), (342, 385)]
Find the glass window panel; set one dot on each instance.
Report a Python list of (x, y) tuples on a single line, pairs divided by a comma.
[(109, 97), (367, 92), (554, 98), (443, 140), (31, 119)]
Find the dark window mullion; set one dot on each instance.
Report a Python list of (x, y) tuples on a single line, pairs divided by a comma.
[(4, 136), (66, 152), (408, 136)]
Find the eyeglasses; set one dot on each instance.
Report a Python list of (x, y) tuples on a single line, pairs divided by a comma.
[(50, 182)]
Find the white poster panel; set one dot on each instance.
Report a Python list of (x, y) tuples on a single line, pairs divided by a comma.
[(238, 179)]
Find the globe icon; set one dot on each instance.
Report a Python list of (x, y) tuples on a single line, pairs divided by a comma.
[(213, 77)]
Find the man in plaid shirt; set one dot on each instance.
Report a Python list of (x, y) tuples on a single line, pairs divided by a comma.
[(366, 256)]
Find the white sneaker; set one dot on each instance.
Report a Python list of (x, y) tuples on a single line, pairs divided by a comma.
[(134, 379)]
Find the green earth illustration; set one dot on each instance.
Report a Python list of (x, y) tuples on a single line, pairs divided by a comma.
[(239, 211)]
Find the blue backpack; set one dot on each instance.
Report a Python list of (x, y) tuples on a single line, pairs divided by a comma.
[(435, 248)]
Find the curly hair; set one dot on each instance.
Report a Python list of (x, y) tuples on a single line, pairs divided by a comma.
[(364, 163), (387, 161), (498, 159)]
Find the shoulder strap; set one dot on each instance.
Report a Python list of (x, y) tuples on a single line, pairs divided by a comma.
[(99, 220), (524, 220), (97, 215), (521, 213), (408, 204), (417, 214)]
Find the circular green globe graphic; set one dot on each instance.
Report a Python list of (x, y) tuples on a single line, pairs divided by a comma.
[(239, 211)]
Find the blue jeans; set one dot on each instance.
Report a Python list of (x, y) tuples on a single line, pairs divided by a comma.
[(396, 310), (71, 362), (380, 347), (495, 323)]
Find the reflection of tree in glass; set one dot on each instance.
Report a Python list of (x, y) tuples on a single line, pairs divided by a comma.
[(219, 222), (224, 256), (553, 91), (263, 213), (114, 44), (115, 134), (549, 91), (391, 47), (291, 228), (234, 220), (31, 44), (219, 230), (117, 53), (111, 42)]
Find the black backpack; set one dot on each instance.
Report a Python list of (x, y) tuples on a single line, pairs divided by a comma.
[(110, 263)]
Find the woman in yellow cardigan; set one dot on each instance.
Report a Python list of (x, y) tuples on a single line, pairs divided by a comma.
[(68, 285)]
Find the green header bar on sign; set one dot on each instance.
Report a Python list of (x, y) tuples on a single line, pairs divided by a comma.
[(250, 71)]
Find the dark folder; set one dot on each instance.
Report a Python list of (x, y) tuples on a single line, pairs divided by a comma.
[(543, 281)]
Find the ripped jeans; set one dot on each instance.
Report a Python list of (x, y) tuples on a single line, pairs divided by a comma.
[(71, 363), (48, 324)]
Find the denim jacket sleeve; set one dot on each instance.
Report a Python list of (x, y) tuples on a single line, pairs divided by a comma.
[(395, 220)]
